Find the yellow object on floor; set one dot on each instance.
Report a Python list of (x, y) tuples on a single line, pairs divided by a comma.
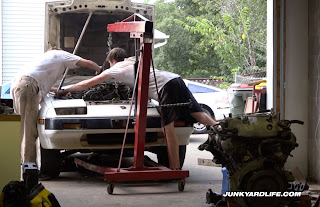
[(41, 197)]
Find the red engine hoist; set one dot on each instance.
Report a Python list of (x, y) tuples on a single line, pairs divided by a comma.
[(143, 31)]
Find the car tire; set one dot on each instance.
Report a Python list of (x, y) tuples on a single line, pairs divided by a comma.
[(162, 155), (199, 128), (50, 162)]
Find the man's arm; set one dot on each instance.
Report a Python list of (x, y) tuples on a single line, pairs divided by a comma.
[(89, 64), (84, 84)]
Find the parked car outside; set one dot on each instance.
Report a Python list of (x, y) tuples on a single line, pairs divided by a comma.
[(213, 101)]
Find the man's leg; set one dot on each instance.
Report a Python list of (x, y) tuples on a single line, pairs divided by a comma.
[(203, 118), (30, 129), (173, 146), (26, 103)]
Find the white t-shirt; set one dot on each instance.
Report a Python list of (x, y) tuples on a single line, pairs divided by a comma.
[(49, 67), (124, 72)]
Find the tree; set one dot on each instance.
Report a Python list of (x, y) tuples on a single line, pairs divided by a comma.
[(211, 38), (236, 29), (183, 53)]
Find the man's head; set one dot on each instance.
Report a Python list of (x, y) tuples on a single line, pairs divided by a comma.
[(54, 48), (116, 55)]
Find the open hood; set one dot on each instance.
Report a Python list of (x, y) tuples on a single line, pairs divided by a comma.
[(65, 21)]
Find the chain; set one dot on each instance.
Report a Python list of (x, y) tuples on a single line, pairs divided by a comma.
[(116, 88), (109, 43), (173, 105)]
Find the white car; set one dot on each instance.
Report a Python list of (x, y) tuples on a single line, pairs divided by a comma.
[(213, 101), (94, 120)]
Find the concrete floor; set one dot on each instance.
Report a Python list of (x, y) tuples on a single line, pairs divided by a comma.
[(89, 189)]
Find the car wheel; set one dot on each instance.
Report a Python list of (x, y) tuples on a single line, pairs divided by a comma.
[(50, 162), (162, 155), (67, 164), (199, 128)]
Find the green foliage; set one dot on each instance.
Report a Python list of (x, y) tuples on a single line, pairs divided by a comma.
[(184, 53), (225, 85), (211, 38)]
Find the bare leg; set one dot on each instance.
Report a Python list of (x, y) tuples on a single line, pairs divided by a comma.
[(173, 146), (203, 118)]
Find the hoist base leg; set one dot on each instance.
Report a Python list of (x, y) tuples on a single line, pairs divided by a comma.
[(114, 175)]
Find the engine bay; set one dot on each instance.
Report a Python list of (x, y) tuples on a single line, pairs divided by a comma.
[(113, 92)]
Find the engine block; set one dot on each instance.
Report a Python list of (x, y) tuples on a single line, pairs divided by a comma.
[(254, 149), (105, 92)]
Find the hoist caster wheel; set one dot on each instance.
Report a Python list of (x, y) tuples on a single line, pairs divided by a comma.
[(110, 188), (181, 184)]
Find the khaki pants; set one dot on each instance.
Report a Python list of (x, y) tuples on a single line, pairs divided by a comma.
[(25, 95)]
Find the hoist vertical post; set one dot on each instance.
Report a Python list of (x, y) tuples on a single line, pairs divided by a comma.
[(142, 102)]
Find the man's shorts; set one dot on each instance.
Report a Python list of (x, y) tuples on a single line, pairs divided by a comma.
[(175, 91)]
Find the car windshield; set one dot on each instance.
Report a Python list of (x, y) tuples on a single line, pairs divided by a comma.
[(200, 89)]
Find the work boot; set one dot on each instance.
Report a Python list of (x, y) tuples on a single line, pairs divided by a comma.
[(30, 175)]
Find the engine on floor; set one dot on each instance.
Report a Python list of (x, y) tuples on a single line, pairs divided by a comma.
[(254, 149), (104, 92)]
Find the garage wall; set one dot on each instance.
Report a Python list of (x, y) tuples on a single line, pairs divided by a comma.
[(314, 92), (296, 79), (22, 34)]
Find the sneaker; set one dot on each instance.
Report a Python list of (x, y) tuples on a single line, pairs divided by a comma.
[(44, 177)]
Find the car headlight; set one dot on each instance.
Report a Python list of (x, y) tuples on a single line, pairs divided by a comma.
[(71, 111)]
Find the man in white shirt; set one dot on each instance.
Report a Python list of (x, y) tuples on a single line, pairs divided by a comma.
[(171, 90), (32, 84)]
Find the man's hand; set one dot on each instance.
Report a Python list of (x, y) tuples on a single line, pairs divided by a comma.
[(99, 72), (53, 89), (61, 93), (218, 126)]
